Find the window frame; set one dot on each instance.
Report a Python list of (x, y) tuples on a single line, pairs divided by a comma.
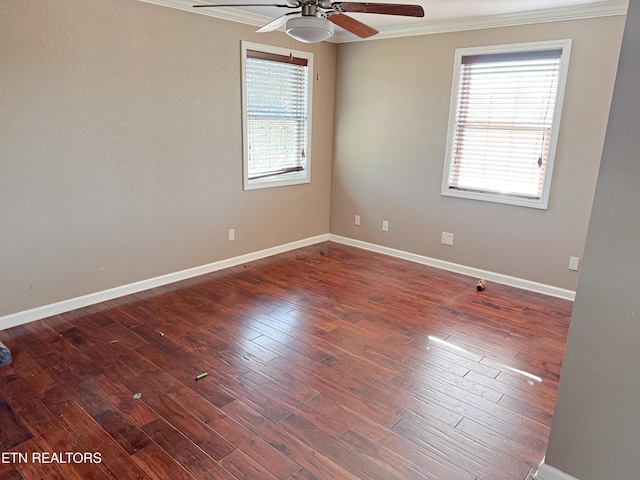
[(294, 178), (543, 201)]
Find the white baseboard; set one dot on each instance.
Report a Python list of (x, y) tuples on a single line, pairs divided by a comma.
[(547, 472), (26, 316), (463, 269), (38, 313)]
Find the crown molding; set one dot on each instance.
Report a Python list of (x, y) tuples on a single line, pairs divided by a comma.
[(606, 8), (224, 13)]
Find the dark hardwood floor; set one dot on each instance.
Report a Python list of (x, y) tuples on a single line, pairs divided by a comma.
[(327, 362)]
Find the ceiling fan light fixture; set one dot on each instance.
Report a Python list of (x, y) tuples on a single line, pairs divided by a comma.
[(309, 29)]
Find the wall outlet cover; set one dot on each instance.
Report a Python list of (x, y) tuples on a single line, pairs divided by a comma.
[(447, 238), (574, 263)]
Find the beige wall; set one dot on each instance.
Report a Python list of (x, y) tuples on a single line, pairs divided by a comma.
[(120, 151), (596, 425), (392, 109), (120, 148)]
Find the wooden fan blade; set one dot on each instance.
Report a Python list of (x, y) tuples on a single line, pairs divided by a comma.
[(276, 23), (381, 8), (351, 24)]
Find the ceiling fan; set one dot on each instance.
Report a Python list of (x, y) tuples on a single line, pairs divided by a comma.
[(314, 21)]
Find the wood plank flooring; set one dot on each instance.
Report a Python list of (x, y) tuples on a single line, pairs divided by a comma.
[(326, 362)]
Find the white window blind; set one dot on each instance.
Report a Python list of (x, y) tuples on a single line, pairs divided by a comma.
[(504, 124), (276, 117)]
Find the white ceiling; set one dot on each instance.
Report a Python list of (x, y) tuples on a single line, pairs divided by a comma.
[(440, 15)]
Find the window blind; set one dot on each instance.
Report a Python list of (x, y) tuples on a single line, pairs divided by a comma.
[(505, 109), (277, 114)]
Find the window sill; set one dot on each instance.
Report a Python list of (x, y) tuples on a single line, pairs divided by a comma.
[(270, 183), (539, 203)]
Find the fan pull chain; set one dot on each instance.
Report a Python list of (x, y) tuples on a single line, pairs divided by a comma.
[(318, 71)]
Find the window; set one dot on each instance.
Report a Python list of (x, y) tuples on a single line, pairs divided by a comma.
[(276, 89), (504, 120)]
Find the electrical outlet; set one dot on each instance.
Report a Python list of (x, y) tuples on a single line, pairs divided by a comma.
[(232, 234), (357, 220), (385, 226), (447, 238), (574, 263)]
